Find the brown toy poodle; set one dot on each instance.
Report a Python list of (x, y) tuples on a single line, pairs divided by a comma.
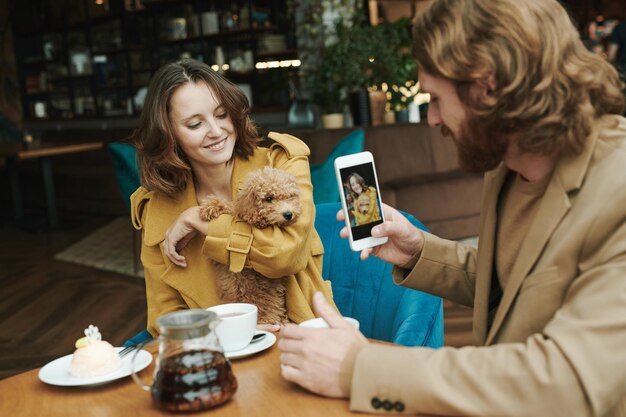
[(363, 203), (269, 197)]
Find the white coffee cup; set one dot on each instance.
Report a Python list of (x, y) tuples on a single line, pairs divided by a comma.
[(320, 323), (237, 325)]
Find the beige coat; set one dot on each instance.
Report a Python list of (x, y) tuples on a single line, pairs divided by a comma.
[(557, 344), (295, 251)]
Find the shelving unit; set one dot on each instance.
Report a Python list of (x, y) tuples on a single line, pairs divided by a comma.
[(81, 60)]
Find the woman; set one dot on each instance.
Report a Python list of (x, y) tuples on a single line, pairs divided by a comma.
[(365, 200), (195, 138)]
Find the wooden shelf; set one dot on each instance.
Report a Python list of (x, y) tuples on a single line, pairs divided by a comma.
[(132, 27), (264, 54)]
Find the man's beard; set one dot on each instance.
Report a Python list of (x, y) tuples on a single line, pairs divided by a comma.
[(478, 151)]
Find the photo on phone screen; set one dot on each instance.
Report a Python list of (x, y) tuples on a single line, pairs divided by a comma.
[(362, 199)]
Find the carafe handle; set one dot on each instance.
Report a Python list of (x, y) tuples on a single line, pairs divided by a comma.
[(140, 346)]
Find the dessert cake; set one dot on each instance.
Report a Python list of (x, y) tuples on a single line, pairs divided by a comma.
[(93, 356)]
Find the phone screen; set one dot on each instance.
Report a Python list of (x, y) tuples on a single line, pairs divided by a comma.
[(362, 199)]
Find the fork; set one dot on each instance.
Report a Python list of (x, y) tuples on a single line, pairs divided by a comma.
[(127, 350)]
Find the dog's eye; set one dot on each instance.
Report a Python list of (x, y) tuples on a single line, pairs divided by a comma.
[(269, 198)]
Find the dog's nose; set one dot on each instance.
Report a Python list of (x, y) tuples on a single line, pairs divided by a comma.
[(287, 215)]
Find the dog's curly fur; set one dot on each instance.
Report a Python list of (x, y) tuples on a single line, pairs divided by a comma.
[(363, 203), (269, 197)]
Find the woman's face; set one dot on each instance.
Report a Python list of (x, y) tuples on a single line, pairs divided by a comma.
[(356, 187), (203, 128)]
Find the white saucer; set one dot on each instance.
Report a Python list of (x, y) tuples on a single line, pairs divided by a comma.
[(252, 348), (57, 372)]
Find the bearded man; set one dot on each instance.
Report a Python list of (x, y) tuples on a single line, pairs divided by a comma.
[(529, 106)]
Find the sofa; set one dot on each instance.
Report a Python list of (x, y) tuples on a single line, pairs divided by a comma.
[(417, 172)]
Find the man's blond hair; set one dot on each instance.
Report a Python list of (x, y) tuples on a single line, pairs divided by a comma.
[(549, 87)]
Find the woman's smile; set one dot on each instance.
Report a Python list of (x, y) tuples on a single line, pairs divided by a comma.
[(218, 146)]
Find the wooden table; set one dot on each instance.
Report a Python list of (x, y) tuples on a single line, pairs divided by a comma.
[(262, 392), (43, 152)]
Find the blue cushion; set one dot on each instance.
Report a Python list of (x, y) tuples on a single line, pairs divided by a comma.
[(323, 175), (365, 290), (124, 158)]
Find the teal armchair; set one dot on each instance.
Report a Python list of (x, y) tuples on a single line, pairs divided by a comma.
[(124, 158), (365, 290)]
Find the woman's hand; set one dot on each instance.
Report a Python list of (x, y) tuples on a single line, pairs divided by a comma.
[(180, 233), (404, 239)]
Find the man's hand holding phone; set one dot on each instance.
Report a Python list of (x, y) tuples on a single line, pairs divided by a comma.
[(404, 240), (360, 199)]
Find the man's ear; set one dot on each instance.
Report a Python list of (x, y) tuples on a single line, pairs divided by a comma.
[(484, 88), (490, 83)]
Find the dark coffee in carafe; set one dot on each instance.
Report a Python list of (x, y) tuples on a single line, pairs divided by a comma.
[(193, 380), (191, 371)]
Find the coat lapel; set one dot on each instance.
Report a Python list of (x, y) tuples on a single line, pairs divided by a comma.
[(244, 166), (554, 205), (165, 210), (568, 175), (493, 183)]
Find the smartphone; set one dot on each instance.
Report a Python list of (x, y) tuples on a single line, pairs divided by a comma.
[(360, 198)]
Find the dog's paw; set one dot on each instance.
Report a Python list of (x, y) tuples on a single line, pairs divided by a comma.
[(212, 207)]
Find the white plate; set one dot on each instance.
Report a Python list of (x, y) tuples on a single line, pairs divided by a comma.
[(253, 348), (57, 372)]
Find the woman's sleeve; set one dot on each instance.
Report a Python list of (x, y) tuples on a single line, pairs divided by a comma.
[(160, 297), (374, 211), (273, 251)]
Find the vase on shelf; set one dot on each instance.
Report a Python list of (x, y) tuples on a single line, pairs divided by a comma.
[(414, 113), (360, 108), (389, 117), (332, 120), (301, 114), (402, 116), (378, 102)]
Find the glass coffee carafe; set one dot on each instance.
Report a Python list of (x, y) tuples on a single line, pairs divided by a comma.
[(191, 371)]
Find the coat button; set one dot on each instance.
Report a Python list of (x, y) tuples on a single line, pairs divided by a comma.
[(387, 405), (399, 406), (376, 403)]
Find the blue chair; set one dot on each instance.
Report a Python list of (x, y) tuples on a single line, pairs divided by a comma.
[(124, 159), (364, 290), (323, 175)]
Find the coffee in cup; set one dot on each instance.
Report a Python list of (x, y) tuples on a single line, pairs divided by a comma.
[(237, 324)]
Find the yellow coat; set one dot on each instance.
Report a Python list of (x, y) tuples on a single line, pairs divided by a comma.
[(373, 214), (295, 251)]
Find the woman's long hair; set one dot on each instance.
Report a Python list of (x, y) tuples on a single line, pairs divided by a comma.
[(360, 180), (163, 165), (549, 87)]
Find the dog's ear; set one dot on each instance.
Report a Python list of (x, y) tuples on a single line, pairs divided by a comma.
[(249, 200), (288, 183)]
